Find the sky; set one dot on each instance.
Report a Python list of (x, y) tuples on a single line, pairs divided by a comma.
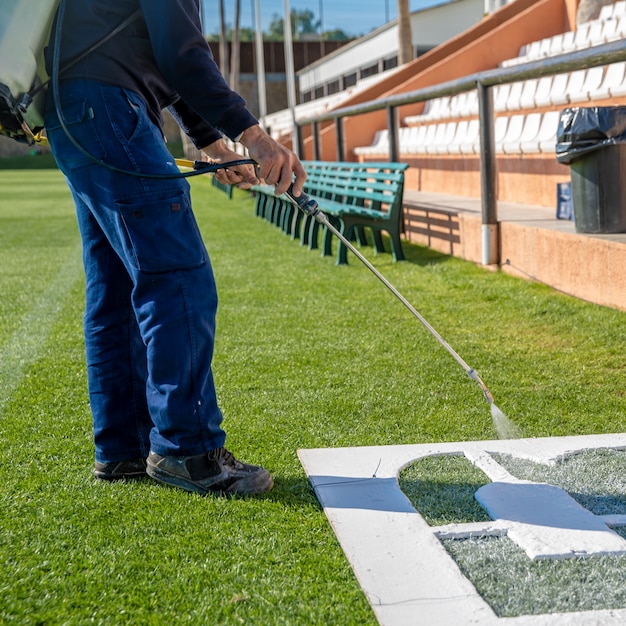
[(354, 17)]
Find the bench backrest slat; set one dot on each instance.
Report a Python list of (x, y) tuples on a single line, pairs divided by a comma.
[(378, 186)]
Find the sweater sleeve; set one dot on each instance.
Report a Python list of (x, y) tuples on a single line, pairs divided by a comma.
[(199, 131), (184, 59)]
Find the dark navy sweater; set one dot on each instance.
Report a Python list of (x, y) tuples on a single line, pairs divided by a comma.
[(162, 55)]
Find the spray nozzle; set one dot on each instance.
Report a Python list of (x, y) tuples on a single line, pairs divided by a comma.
[(304, 202)]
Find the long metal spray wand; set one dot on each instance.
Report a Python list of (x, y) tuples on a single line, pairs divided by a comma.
[(310, 207)]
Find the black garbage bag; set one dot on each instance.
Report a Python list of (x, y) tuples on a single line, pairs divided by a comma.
[(585, 129)]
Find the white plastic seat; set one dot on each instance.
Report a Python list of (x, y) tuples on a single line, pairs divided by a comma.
[(472, 103), (513, 99), (529, 91), (546, 137), (500, 127), (542, 94), (619, 8), (457, 105), (595, 36), (606, 12), (615, 29), (429, 135), (454, 146), (567, 45), (558, 93), (609, 27), (616, 79), (416, 138), (443, 147), (513, 131), (404, 134), (500, 96), (470, 142), (545, 134), (594, 83), (576, 91), (533, 50), (442, 134), (556, 45), (544, 47), (529, 132), (379, 145), (439, 109), (581, 39)]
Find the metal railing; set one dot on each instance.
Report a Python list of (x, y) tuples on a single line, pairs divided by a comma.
[(483, 82)]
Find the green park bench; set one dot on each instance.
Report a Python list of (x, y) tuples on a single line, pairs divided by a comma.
[(354, 197)]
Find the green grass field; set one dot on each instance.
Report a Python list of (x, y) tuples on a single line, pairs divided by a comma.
[(308, 355)]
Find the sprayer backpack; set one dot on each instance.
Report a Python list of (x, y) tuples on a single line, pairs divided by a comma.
[(24, 33)]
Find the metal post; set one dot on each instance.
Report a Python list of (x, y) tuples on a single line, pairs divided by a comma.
[(392, 126), (315, 131), (290, 76), (339, 138), (260, 63), (490, 231)]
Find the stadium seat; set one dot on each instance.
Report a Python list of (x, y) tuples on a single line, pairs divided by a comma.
[(444, 133), (616, 79), (575, 90), (513, 131), (500, 96), (544, 88), (528, 94), (544, 47), (594, 81), (558, 93), (513, 99), (595, 36), (615, 29), (606, 12), (528, 133), (567, 45), (556, 44), (581, 40), (440, 108), (429, 136), (458, 105), (454, 146), (415, 138), (471, 141), (619, 8), (547, 133), (379, 145)]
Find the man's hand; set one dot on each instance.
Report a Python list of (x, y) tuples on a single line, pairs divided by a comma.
[(243, 176), (276, 164)]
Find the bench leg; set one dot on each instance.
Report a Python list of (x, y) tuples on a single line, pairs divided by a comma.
[(361, 236), (342, 251), (396, 246), (296, 222), (379, 245), (258, 205)]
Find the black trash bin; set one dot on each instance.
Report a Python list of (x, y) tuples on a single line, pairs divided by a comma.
[(592, 141)]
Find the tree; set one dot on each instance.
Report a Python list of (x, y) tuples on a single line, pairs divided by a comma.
[(235, 51), (405, 44), (223, 42)]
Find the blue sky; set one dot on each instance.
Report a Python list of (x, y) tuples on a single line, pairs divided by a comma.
[(355, 17)]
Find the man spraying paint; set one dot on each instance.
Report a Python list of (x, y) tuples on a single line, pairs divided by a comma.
[(151, 298)]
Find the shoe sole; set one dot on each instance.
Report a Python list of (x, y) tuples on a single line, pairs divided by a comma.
[(261, 482), (112, 477)]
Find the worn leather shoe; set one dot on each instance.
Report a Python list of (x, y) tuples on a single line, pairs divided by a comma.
[(216, 471)]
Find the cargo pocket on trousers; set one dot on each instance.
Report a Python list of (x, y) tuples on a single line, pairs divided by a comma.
[(162, 234)]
